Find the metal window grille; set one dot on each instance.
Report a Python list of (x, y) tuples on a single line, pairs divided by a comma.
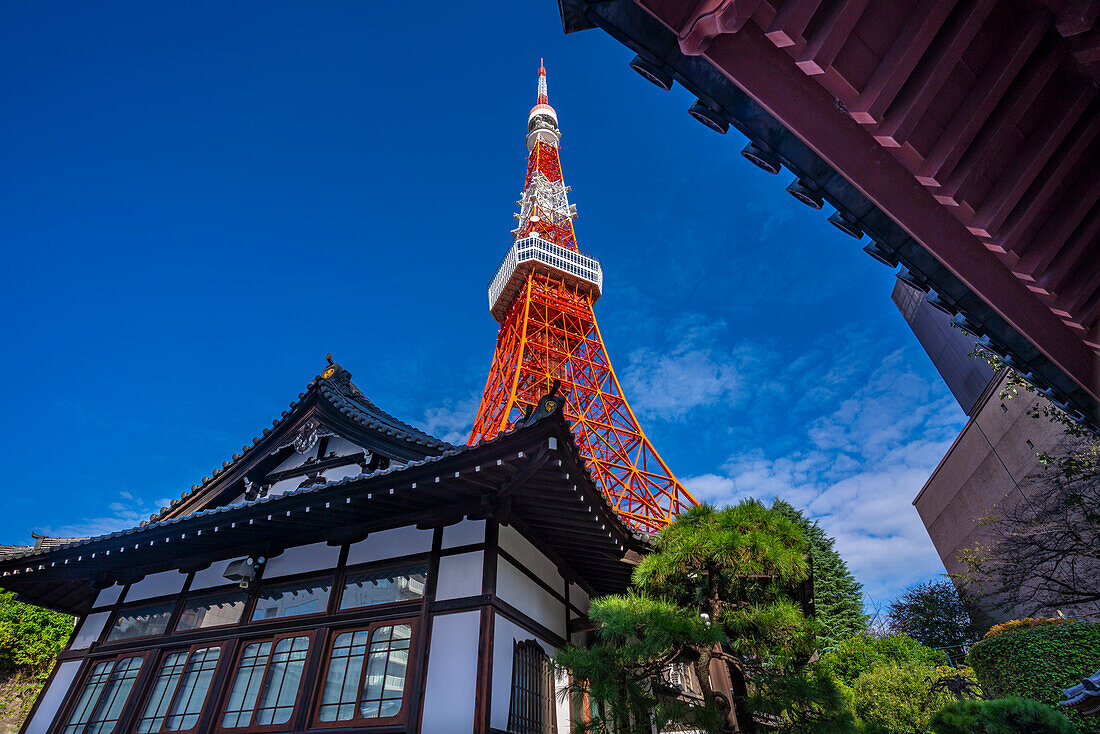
[(531, 710)]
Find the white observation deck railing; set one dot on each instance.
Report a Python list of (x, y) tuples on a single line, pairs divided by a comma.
[(531, 253)]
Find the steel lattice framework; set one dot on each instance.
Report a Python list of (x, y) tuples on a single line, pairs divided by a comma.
[(543, 295)]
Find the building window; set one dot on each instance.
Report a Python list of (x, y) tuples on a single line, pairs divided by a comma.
[(384, 586), (265, 687), (179, 691), (531, 710), (292, 600), (215, 610), (103, 697), (365, 679), (151, 619)]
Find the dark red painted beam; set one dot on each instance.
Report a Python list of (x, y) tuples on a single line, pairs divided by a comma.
[(771, 78)]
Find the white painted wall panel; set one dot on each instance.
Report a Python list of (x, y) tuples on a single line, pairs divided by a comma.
[(293, 461), (53, 697), (466, 532), (285, 486), (452, 674), (578, 598), (505, 635), (342, 472), (313, 557), (525, 595), (157, 584), (341, 446), (108, 596), (530, 556), (404, 541), (212, 575), (90, 630), (460, 575)]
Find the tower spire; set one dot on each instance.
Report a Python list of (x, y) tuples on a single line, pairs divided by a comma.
[(542, 296)]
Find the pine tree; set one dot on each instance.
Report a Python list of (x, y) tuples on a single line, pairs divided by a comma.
[(838, 597)]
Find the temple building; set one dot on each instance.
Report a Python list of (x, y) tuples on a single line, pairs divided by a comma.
[(345, 571)]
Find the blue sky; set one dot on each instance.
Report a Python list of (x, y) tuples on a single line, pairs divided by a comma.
[(198, 202)]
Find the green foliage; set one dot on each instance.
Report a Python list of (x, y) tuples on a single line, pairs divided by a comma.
[(1001, 716), (861, 653), (30, 637), (1038, 662), (716, 587), (898, 696), (809, 700), (934, 615), (838, 597), (1026, 622)]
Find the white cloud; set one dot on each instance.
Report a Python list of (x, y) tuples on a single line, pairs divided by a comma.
[(125, 514), (452, 420), (878, 432)]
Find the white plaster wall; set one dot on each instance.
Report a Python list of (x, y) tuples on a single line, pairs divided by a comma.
[(108, 596), (460, 575), (530, 556), (452, 674), (157, 584), (285, 486), (51, 699), (514, 587), (303, 558), (341, 472), (578, 598), (293, 461), (212, 575), (466, 532), (393, 543), (505, 635), (561, 703), (90, 630), (342, 447)]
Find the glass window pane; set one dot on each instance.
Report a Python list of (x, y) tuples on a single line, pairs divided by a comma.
[(384, 586), (171, 670), (246, 685), (82, 711), (141, 621), (384, 684), (338, 697), (112, 683), (212, 611), (189, 699), (283, 679), (292, 600)]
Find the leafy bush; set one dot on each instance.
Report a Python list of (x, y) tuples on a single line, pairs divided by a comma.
[(1038, 662), (898, 697), (30, 637), (1001, 716), (1025, 623), (859, 654)]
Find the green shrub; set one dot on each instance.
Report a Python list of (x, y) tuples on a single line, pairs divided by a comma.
[(30, 636), (1025, 623), (1038, 662), (1001, 716), (898, 697), (860, 653)]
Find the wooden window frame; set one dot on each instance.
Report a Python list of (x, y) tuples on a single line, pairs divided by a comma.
[(322, 674), (212, 694), (303, 580), (532, 699), (379, 566), (230, 679), (210, 593), (60, 722), (167, 601)]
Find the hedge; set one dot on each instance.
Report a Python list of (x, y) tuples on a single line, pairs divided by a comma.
[(1038, 662), (1002, 716)]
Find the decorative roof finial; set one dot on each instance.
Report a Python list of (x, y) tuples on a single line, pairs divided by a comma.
[(543, 99), (332, 369)]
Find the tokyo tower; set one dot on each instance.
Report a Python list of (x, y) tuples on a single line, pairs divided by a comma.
[(542, 295)]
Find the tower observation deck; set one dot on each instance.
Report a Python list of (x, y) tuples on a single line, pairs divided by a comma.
[(542, 296)]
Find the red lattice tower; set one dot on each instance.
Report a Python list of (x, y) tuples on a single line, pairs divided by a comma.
[(542, 296)]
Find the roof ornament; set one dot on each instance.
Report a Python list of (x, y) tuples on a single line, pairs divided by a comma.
[(549, 403), (333, 368), (306, 437)]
